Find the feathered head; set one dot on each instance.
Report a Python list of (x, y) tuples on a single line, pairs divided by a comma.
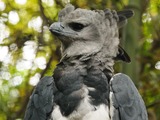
[(84, 31)]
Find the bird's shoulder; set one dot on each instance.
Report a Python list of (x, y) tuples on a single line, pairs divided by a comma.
[(126, 99), (41, 101)]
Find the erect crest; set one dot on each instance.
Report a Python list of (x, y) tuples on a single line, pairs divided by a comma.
[(120, 16)]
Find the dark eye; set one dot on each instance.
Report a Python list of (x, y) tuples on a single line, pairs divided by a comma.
[(76, 26)]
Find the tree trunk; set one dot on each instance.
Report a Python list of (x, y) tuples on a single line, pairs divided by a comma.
[(131, 37)]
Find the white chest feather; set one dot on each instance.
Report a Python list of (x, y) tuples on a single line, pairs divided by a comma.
[(85, 111), (100, 113)]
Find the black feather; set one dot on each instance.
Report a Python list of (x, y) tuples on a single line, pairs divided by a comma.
[(126, 13), (122, 55), (123, 16)]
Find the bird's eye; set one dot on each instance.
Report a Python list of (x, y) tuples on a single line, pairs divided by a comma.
[(76, 26)]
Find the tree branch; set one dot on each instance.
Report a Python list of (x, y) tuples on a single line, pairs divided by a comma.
[(58, 2), (153, 104), (44, 17)]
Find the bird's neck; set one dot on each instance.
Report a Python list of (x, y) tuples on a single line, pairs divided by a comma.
[(104, 62), (97, 60)]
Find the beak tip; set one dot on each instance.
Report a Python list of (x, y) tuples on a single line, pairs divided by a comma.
[(55, 28), (50, 27)]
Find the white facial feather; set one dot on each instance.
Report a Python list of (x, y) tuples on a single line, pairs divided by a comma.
[(80, 48)]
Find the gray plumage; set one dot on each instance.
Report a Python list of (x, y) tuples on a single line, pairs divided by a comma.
[(83, 86), (41, 100), (126, 100)]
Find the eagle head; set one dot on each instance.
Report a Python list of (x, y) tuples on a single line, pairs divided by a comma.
[(84, 31)]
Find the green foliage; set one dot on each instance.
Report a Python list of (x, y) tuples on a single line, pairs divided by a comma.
[(150, 55), (28, 50)]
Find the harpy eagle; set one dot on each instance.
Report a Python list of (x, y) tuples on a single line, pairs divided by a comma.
[(84, 86)]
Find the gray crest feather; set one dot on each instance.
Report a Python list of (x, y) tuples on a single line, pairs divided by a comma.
[(68, 8)]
